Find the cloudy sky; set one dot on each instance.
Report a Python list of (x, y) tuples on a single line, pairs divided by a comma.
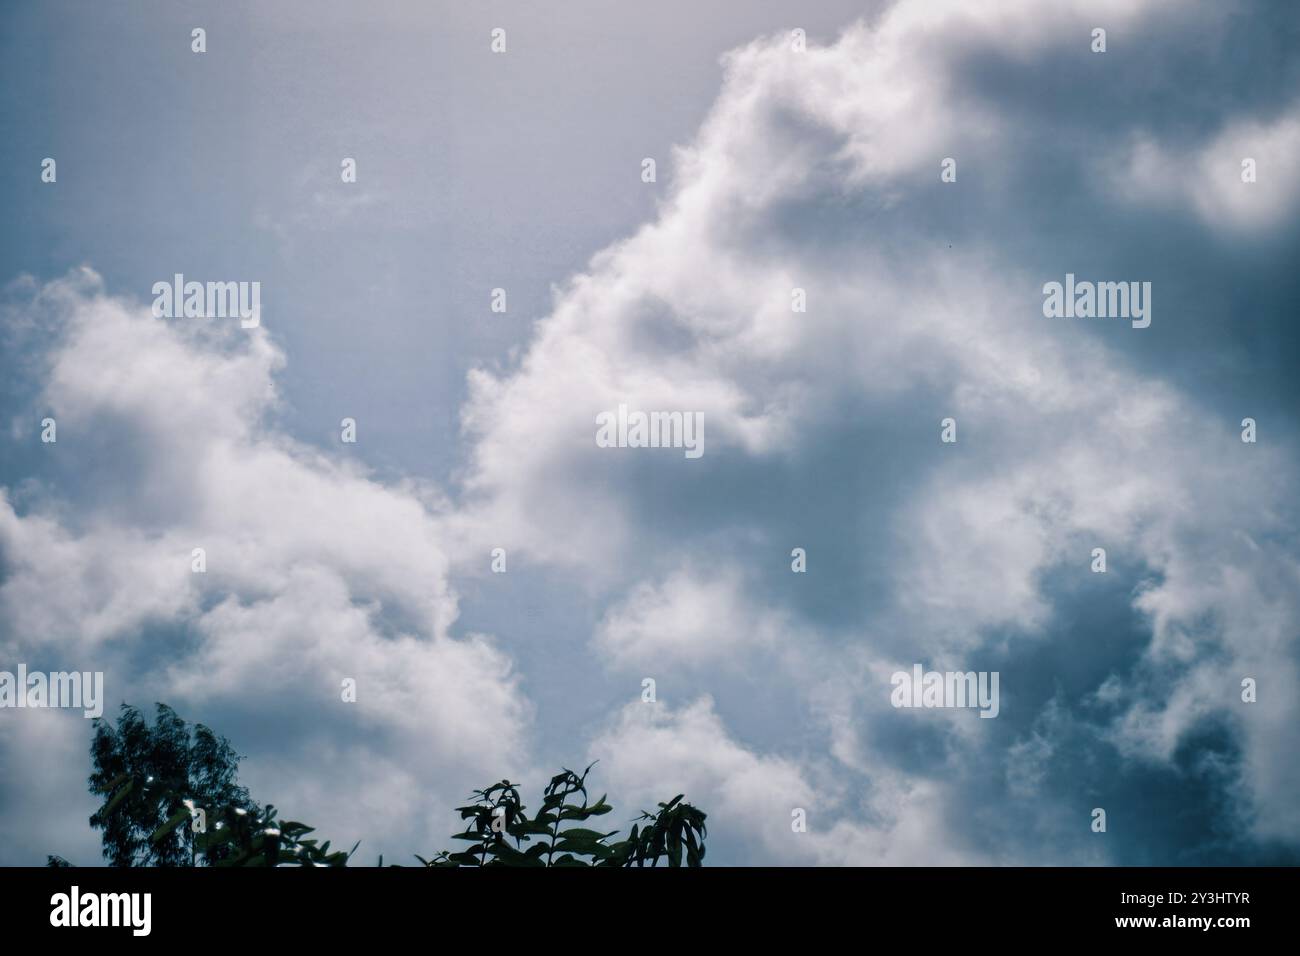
[(777, 169)]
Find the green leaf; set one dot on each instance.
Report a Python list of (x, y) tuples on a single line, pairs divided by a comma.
[(176, 820), (117, 798), (579, 833)]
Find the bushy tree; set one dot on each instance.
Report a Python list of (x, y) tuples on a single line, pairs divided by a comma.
[(151, 778), (171, 799)]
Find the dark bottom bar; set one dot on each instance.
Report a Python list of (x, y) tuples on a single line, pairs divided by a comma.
[(332, 905)]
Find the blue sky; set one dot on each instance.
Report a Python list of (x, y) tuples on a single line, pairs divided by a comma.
[(777, 169)]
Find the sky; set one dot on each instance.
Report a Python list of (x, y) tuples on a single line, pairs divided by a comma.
[(781, 165)]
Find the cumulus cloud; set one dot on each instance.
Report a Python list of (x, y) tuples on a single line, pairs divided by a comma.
[(653, 752), (1208, 178), (315, 572), (695, 615), (820, 171)]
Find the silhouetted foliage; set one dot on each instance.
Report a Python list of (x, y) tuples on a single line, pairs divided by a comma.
[(146, 774), (171, 799), (499, 828)]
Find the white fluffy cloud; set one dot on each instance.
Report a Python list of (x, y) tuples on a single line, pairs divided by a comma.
[(315, 572), (652, 753), (1209, 180), (695, 615), (1064, 443)]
